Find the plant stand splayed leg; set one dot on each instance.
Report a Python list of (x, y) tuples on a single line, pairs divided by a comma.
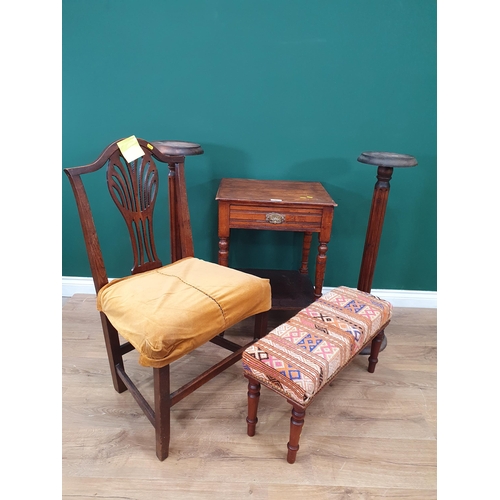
[(385, 162)]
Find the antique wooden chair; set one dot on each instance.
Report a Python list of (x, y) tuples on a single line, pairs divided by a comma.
[(162, 311)]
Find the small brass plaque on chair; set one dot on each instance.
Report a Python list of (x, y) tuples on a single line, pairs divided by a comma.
[(275, 218)]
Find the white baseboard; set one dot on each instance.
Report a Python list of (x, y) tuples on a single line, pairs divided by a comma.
[(404, 298), (74, 284), (398, 298)]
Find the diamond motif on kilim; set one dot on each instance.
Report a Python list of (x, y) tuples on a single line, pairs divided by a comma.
[(261, 355), (370, 312), (335, 299), (303, 320), (292, 374), (257, 353), (309, 343), (353, 331), (354, 306), (326, 350), (344, 343), (293, 335), (309, 311), (338, 323), (282, 328), (276, 363)]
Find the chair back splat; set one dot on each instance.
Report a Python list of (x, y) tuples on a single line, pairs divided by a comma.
[(134, 189), (162, 311)]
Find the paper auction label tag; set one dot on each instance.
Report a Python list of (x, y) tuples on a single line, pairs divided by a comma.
[(130, 148)]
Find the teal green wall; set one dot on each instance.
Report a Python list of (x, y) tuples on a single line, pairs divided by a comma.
[(281, 89)]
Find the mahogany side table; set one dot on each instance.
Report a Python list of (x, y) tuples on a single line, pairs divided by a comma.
[(279, 206)]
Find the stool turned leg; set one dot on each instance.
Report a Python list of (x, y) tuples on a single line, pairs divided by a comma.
[(296, 424), (253, 404), (375, 349)]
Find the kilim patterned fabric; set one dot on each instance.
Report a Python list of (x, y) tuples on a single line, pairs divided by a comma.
[(300, 356)]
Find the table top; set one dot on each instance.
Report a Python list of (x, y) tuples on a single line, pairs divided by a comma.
[(273, 191)]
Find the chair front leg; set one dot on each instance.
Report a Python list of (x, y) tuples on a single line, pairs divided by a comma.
[(115, 358), (375, 349), (253, 404), (162, 410)]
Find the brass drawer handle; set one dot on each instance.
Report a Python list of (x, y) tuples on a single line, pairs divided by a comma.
[(275, 218)]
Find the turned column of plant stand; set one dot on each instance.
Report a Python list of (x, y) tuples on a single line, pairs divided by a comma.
[(385, 162)]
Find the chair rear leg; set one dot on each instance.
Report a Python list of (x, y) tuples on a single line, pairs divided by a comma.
[(162, 410), (115, 358), (260, 327), (253, 404), (375, 349), (296, 424)]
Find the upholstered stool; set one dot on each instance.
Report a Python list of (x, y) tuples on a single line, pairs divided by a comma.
[(301, 356)]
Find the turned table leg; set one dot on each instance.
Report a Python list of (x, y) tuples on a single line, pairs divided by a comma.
[(306, 247), (323, 239), (223, 233), (224, 252), (320, 269)]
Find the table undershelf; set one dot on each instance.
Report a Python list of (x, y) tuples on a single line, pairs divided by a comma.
[(290, 290)]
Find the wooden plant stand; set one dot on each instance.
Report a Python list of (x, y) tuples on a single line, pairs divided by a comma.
[(386, 162)]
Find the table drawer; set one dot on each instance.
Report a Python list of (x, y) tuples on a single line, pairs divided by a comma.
[(275, 217)]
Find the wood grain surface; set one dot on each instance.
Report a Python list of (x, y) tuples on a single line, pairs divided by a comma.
[(368, 436)]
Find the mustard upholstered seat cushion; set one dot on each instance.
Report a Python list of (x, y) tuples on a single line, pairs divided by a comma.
[(300, 356), (167, 312)]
